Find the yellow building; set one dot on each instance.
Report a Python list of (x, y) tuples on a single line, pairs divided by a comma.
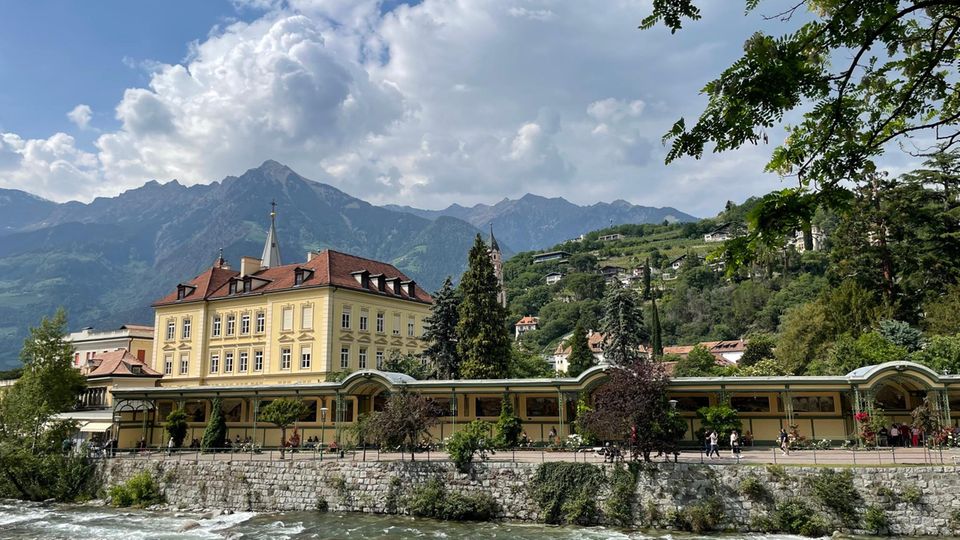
[(269, 323)]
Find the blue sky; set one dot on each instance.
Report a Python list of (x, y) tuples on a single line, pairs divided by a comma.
[(427, 104)]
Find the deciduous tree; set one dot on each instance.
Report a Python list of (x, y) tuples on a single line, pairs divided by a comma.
[(283, 413), (405, 418)]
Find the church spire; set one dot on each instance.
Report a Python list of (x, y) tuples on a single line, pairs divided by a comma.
[(271, 248), (493, 241)]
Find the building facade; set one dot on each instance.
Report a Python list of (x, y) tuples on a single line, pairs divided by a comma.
[(87, 343), (283, 324)]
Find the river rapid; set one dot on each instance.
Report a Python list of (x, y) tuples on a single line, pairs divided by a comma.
[(53, 521)]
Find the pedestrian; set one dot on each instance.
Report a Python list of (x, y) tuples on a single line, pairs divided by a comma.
[(553, 435), (894, 435), (714, 445), (170, 446), (915, 436), (734, 443), (784, 442)]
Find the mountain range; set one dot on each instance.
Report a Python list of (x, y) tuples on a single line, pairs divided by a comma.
[(534, 222), (106, 261)]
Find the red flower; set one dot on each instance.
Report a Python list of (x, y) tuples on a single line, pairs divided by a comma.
[(861, 417)]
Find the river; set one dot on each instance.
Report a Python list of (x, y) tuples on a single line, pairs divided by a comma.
[(32, 520)]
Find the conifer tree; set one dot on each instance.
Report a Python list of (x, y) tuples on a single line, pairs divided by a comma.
[(215, 433), (656, 339), (647, 293), (581, 358), (622, 325), (483, 343), (441, 333)]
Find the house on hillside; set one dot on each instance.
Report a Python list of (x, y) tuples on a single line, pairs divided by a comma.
[(558, 360), (525, 325), (553, 278), (721, 233), (551, 256), (727, 352), (611, 237), (817, 237), (610, 272)]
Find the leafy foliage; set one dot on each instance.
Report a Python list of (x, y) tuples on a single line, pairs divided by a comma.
[(282, 413), (406, 418), (720, 418), (567, 492), (835, 491), (699, 362), (483, 344), (622, 325), (176, 426), (408, 364), (581, 357), (433, 500), (623, 488), (508, 426), (140, 490), (794, 516), (471, 442)]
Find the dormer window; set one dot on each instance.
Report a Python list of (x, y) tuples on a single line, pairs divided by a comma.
[(247, 285), (136, 369), (233, 287), (300, 275), (184, 291)]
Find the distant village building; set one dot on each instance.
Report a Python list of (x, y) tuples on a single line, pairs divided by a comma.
[(611, 237), (553, 278), (559, 359), (721, 233), (727, 352), (137, 339), (525, 325), (610, 272), (816, 236), (550, 256)]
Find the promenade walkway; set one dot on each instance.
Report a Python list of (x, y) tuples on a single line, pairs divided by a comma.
[(759, 456)]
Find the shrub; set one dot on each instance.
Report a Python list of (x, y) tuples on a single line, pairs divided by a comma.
[(623, 486), (912, 495), (176, 426), (835, 491), (754, 489), (473, 441), (705, 516), (140, 490), (556, 483), (793, 516), (433, 500), (508, 425), (778, 473), (875, 520)]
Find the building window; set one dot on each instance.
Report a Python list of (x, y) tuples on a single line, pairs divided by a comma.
[(242, 362), (168, 364), (306, 317), (184, 363), (396, 324), (363, 358), (380, 322), (411, 324), (345, 318), (231, 324), (186, 329), (245, 324), (261, 322), (379, 359), (171, 330), (215, 363), (258, 360), (215, 328), (285, 358), (286, 324), (228, 362), (364, 315), (344, 357), (305, 359)]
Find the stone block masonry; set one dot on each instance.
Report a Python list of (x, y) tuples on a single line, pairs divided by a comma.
[(917, 501)]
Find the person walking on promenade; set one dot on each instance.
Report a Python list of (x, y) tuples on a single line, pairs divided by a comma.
[(714, 445), (784, 442), (170, 446), (734, 443)]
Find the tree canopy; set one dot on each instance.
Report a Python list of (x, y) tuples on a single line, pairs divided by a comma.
[(482, 340), (441, 332)]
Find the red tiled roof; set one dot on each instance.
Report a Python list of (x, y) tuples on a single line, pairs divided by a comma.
[(528, 320), (681, 350), (119, 363), (330, 268)]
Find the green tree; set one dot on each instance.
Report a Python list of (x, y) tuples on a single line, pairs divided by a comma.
[(527, 364), (483, 343), (176, 426), (471, 442), (584, 286), (720, 418), (767, 367), (805, 337), (699, 362), (942, 354), (581, 357), (583, 262), (441, 332), (408, 364), (508, 425), (895, 82), (406, 418), (215, 434), (943, 314), (622, 325), (647, 291), (656, 339), (900, 334), (759, 347), (848, 354), (282, 413)]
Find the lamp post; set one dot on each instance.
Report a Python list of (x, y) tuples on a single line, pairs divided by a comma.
[(323, 428)]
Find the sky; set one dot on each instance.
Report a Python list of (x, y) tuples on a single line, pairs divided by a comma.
[(427, 103)]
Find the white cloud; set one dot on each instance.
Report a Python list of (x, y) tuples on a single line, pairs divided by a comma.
[(443, 101), (81, 115)]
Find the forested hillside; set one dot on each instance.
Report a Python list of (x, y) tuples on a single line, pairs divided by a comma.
[(882, 286)]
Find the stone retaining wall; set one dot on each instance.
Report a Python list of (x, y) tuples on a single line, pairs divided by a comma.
[(662, 489)]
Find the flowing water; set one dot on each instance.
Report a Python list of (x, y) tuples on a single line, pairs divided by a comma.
[(33, 520)]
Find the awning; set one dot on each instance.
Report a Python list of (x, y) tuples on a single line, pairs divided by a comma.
[(96, 427)]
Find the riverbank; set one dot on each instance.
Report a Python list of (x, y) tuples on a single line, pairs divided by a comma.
[(907, 501)]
